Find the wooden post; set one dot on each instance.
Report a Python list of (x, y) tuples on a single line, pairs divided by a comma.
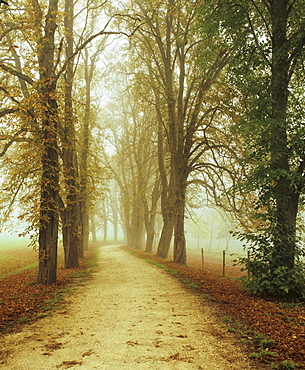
[(248, 261), (223, 263), (202, 258)]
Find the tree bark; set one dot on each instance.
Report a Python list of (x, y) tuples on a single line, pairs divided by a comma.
[(167, 211), (48, 225), (179, 234), (150, 216), (85, 146), (286, 199), (137, 224), (71, 225), (48, 222)]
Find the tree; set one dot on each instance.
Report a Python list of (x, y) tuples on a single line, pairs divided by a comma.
[(46, 114), (48, 226), (71, 206), (269, 40), (166, 44), (131, 133), (75, 213), (127, 168), (38, 72), (106, 211), (87, 124), (114, 206)]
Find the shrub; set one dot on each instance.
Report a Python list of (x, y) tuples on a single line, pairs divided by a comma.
[(265, 279)]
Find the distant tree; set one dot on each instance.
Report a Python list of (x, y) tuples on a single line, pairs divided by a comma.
[(186, 102), (108, 209), (85, 144), (114, 207), (132, 135)]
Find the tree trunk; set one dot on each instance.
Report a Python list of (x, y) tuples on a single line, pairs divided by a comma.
[(150, 215), (93, 229), (168, 208), (71, 224), (179, 236), (115, 223), (48, 225), (114, 211), (150, 235), (166, 237), (84, 158), (167, 198), (105, 227), (71, 227), (48, 219), (85, 231), (137, 229), (286, 198)]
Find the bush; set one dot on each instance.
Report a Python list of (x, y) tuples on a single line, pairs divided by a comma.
[(281, 282), (265, 280)]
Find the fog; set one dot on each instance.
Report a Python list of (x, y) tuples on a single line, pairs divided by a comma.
[(12, 240), (123, 162)]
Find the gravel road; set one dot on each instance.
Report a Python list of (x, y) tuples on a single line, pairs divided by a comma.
[(131, 315)]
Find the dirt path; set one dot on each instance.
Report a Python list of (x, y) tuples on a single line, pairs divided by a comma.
[(131, 315)]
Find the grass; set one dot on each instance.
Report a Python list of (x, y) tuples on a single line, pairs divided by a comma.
[(25, 268), (20, 270), (266, 343), (81, 274), (262, 353), (257, 342), (24, 320), (286, 365), (190, 284), (163, 267), (57, 297), (93, 262)]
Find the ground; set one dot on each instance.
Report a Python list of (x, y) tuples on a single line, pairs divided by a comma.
[(278, 326), (134, 315), (131, 314)]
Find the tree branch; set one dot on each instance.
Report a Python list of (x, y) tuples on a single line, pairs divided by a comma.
[(5, 111), (10, 142), (91, 38), (15, 72)]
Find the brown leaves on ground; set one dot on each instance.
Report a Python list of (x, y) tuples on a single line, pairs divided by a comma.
[(248, 315), (22, 300), (68, 364)]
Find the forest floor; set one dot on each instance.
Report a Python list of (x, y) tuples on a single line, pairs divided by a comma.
[(130, 314)]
